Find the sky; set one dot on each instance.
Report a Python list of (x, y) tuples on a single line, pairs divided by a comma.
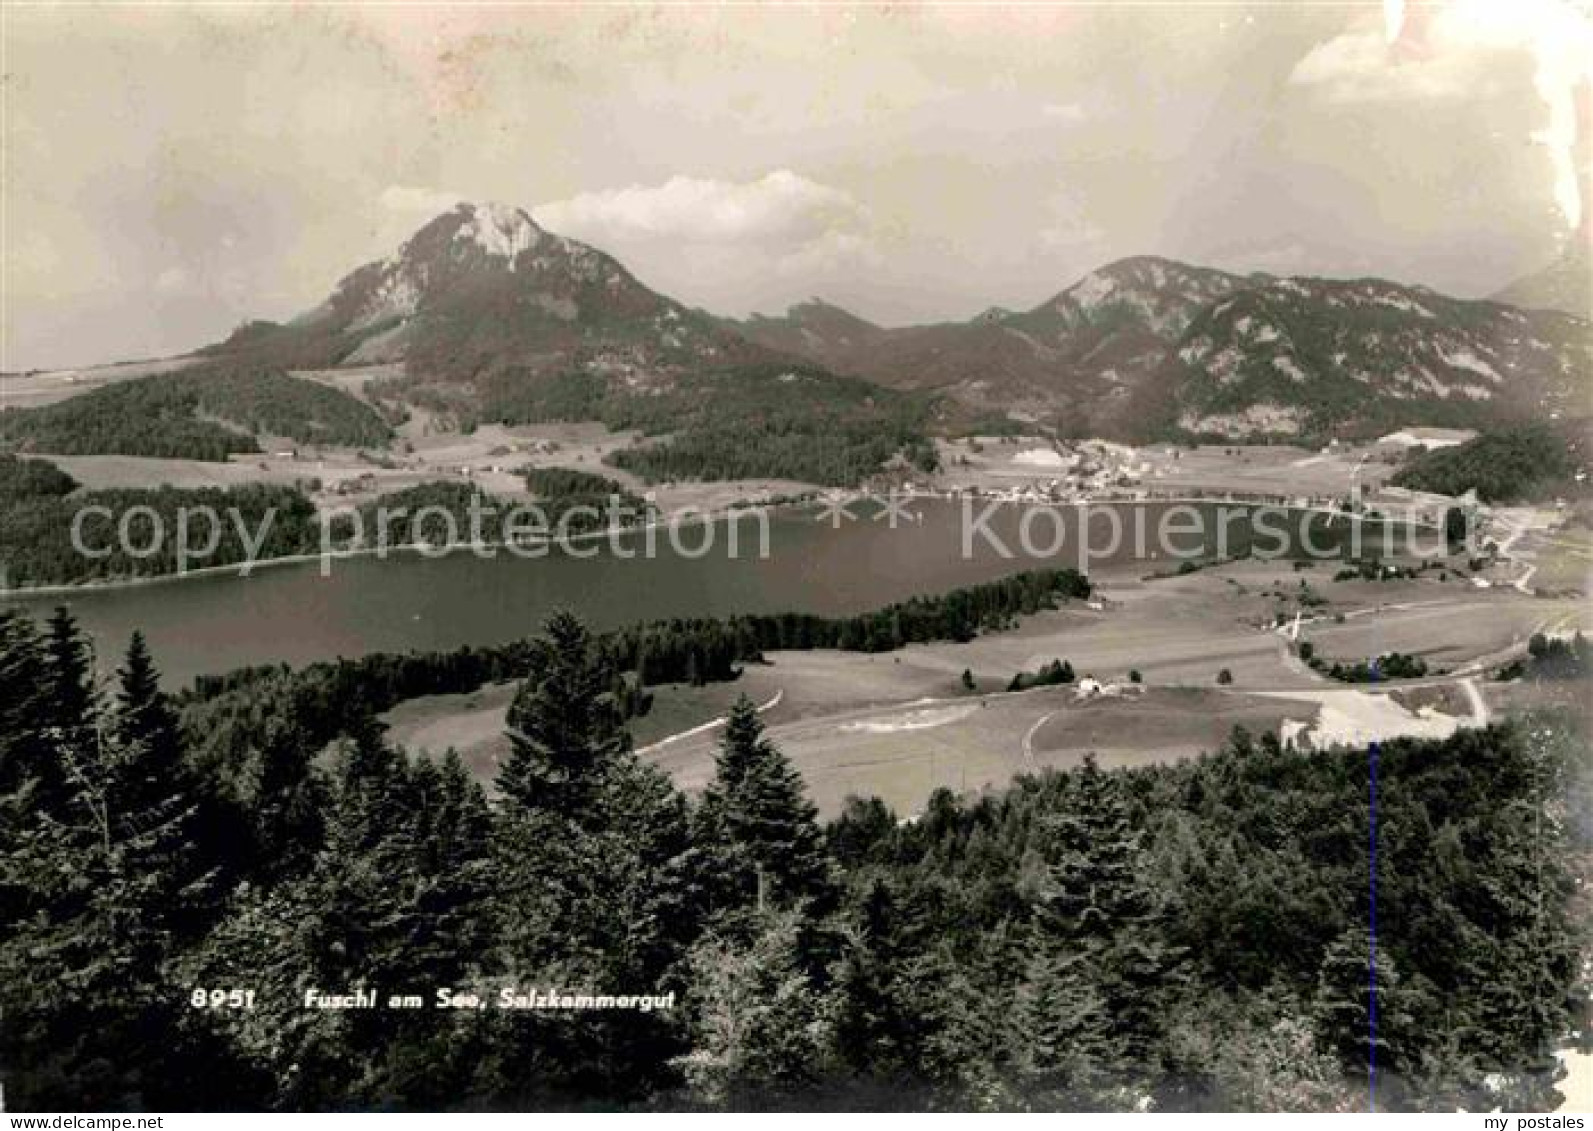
[(172, 170)]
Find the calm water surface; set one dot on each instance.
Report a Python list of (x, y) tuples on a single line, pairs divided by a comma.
[(291, 612)]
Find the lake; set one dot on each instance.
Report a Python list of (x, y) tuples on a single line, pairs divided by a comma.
[(292, 613)]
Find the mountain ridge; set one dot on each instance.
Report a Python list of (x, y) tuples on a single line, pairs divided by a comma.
[(1565, 285), (482, 287), (1147, 347), (481, 300)]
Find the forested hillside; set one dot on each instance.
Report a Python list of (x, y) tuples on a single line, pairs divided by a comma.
[(1529, 463), (751, 421), (38, 508), (496, 320), (1176, 937), (579, 501), (203, 412), (1147, 348)]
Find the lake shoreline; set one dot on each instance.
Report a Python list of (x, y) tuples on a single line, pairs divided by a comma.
[(428, 550)]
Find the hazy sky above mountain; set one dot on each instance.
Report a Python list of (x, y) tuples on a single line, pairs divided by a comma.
[(171, 171)]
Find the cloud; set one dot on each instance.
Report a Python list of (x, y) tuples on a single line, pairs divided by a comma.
[(780, 209), (833, 252), (412, 201), (1359, 67), (730, 245), (1463, 51)]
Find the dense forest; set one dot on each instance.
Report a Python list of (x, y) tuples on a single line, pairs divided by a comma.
[(754, 421), (433, 514), (564, 482), (1190, 936), (39, 503), (578, 501), (1551, 658), (205, 412), (1531, 462), (230, 715)]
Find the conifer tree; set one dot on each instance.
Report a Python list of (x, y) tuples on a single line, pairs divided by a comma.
[(144, 717), (760, 1028), (565, 729), (1344, 997), (152, 799), (32, 771), (1101, 969), (453, 842), (875, 1029), (590, 852), (70, 688), (757, 812), (285, 802), (113, 886)]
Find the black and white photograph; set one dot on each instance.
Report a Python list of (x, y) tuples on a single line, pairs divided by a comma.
[(680, 558)]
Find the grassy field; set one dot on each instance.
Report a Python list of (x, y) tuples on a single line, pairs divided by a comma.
[(1446, 635), (1161, 724), (34, 390), (1564, 561), (471, 724), (1270, 469), (902, 752), (899, 724), (138, 471)]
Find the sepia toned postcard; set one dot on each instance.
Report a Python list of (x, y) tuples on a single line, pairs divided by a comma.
[(754, 557)]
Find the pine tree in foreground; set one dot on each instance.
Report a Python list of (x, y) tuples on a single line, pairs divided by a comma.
[(1099, 976), (591, 881), (759, 1026), (756, 811), (565, 729), (115, 887), (70, 675), (144, 717)]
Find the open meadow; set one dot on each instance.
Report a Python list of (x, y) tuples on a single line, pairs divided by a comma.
[(900, 724)]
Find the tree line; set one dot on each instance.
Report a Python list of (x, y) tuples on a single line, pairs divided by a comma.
[(1390, 665), (38, 508), (227, 714), (1179, 937), (756, 421), (208, 412), (579, 501), (1527, 462), (1552, 658)]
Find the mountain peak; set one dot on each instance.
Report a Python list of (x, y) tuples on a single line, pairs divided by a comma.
[(481, 288), (490, 228), (1564, 285), (1143, 273), (500, 230), (1161, 295)]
